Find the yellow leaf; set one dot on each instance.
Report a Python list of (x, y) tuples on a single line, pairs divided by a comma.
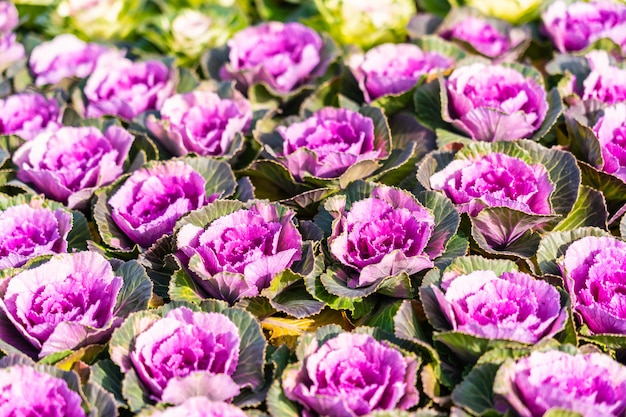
[(285, 330)]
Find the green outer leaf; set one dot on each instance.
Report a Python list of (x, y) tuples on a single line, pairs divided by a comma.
[(559, 412), (609, 341), (383, 315), (336, 285), (277, 403), (101, 400), (219, 178), (110, 234), (447, 221), (203, 216), (312, 261), (55, 357), (136, 289), (554, 244), (272, 180), (437, 7), (432, 309), (468, 347), (406, 322), (457, 246), (563, 172), (4, 156), (434, 43), (315, 287), (427, 102), (433, 162), (555, 108), (583, 142), (123, 336), (108, 375), (589, 210), (468, 264), (358, 171), (502, 229), (382, 132), (475, 392), (287, 293), (134, 392), (79, 235), (446, 138), (249, 370), (184, 288), (613, 189), (10, 143)]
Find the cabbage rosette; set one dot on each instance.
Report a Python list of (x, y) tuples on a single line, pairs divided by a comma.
[(70, 163), (231, 250), (593, 268), (140, 208), (347, 374), (28, 389), (70, 302), (31, 227), (476, 33), (309, 157), (388, 74), (477, 304), (377, 238), (489, 103), (273, 59), (182, 350), (561, 381), (511, 191)]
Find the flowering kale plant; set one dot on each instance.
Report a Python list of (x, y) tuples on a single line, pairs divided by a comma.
[(327, 208)]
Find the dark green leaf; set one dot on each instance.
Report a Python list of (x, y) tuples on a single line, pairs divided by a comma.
[(136, 289), (589, 210), (553, 245), (475, 392)]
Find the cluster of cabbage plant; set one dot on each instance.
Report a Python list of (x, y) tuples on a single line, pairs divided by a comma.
[(328, 208)]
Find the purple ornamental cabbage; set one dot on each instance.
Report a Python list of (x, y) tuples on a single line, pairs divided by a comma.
[(200, 407), (200, 122), (594, 271), (70, 163), (281, 55), (513, 306), (494, 102), (573, 27), (394, 68), (121, 87), (27, 232), (495, 180), (9, 17), (610, 130), (26, 391), (352, 375), (481, 35), (606, 83), (11, 51), (328, 143), (63, 57), (151, 200), (183, 352), (65, 303), (382, 236), (241, 252), (28, 114), (591, 384)]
